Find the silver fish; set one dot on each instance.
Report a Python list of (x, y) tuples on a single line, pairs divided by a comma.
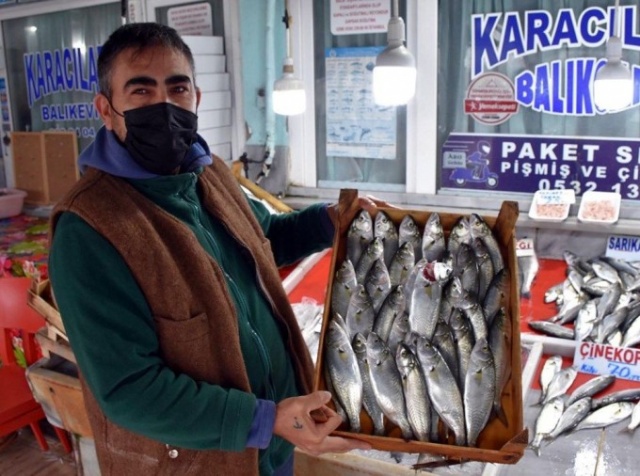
[(551, 367), (632, 335), (443, 389), (463, 335), (344, 373), (399, 330), (611, 323), (466, 268), (485, 267), (585, 321), (553, 293), (359, 235), (411, 280), (371, 254), (591, 387), (560, 383), (385, 229), (635, 419), (368, 395), (500, 335), (460, 233), (444, 342), (480, 228), (387, 383), (360, 314), (574, 261), (609, 300), (415, 392), (552, 329), (479, 390), (626, 395), (433, 241), (547, 422), (392, 307), (470, 308), (573, 414), (402, 264), (496, 295), (425, 305), (344, 285), (620, 265), (529, 267), (409, 232), (378, 284), (605, 271), (605, 416)]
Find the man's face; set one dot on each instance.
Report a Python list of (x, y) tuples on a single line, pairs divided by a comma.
[(143, 78)]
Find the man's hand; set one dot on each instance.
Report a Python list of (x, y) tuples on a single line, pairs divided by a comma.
[(298, 421), (369, 203)]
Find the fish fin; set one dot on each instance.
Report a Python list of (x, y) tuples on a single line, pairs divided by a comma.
[(502, 416), (525, 294), (626, 429)]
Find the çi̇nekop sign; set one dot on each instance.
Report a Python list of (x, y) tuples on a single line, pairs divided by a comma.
[(561, 88)]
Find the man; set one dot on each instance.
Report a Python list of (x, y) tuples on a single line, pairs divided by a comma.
[(164, 273)]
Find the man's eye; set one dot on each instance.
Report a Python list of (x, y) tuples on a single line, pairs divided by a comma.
[(180, 89), (140, 91)]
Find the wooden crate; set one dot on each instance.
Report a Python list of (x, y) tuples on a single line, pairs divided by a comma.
[(496, 443), (40, 299), (45, 164)]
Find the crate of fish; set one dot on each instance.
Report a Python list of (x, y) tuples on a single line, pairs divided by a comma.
[(420, 342)]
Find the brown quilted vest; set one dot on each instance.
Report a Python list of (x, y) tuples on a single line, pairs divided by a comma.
[(194, 314)]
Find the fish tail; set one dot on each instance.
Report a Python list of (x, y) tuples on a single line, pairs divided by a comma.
[(499, 412), (525, 294), (626, 429)]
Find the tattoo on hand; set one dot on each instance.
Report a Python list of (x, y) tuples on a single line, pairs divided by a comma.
[(297, 425)]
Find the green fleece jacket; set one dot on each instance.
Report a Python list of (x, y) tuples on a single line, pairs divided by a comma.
[(101, 303)]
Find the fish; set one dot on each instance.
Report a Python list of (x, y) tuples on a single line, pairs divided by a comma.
[(546, 422), (631, 336), (425, 305), (344, 373), (553, 293), (552, 329), (344, 285), (418, 268), (485, 267), (409, 232), (605, 416), (496, 295), (605, 271), (500, 335), (611, 323), (369, 401), (591, 387), (402, 264), (479, 390), (359, 235), (529, 267), (470, 308), (466, 268), (480, 228), (560, 383), (574, 413), (433, 241), (385, 229), (635, 419), (360, 313), (442, 389), (585, 321), (626, 395), (393, 306), (620, 265), (371, 254), (550, 368), (574, 261), (609, 300), (399, 330), (443, 340), (387, 384), (415, 392), (378, 284), (463, 336), (460, 233)]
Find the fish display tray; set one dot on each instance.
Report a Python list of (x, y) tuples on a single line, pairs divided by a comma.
[(599, 207), (497, 443), (542, 210)]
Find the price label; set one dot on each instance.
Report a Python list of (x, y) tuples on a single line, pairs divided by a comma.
[(623, 247), (546, 197), (525, 247), (601, 359)]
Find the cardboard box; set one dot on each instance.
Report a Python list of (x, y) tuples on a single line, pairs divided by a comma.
[(496, 443)]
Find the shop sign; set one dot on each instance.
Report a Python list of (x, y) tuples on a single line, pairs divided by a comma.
[(601, 359), (559, 87), (623, 247), (527, 163), (351, 17)]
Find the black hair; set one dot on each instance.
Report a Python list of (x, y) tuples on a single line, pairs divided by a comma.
[(139, 37)]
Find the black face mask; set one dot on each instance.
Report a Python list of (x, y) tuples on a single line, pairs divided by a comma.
[(159, 136)]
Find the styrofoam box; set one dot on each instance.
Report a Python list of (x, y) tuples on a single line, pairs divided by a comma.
[(599, 207), (559, 213), (11, 201)]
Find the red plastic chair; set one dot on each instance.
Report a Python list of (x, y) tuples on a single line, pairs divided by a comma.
[(18, 408)]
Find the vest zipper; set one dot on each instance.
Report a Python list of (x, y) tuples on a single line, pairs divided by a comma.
[(266, 361)]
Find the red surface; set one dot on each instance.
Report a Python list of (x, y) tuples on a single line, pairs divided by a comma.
[(314, 285)]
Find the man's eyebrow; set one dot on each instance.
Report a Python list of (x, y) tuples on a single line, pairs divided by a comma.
[(177, 79), (140, 81)]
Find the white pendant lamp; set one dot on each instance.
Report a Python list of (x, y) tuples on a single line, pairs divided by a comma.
[(613, 84), (394, 76), (289, 97)]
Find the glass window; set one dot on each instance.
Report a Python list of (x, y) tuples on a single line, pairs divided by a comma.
[(358, 144), (52, 68), (516, 109)]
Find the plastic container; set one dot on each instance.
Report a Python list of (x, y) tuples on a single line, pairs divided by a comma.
[(551, 205), (11, 201), (599, 207)]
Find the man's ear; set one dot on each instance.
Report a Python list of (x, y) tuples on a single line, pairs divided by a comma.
[(101, 103), (198, 96)]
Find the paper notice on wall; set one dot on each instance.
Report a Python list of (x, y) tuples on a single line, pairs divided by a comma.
[(194, 20), (350, 17), (356, 127)]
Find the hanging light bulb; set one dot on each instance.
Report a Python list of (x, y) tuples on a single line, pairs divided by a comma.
[(613, 84), (289, 97), (394, 76)]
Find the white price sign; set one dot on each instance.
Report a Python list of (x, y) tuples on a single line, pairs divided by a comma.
[(623, 247), (621, 362)]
